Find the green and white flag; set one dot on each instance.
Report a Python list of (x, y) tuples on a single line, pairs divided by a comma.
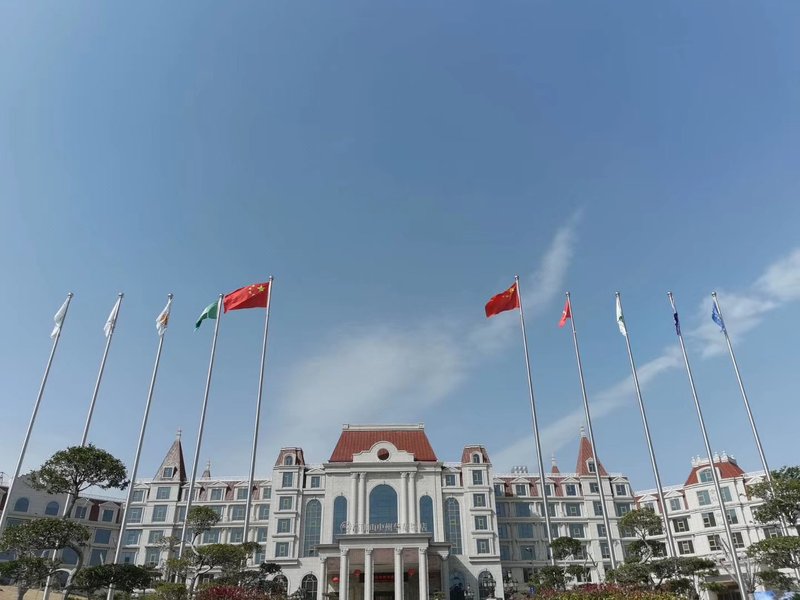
[(621, 319), (210, 312)]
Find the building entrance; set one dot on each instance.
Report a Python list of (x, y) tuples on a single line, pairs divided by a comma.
[(381, 595)]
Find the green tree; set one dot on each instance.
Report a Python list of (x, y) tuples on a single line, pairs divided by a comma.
[(777, 552), (125, 578), (781, 498), (76, 469), (228, 558), (28, 572), (644, 523), (565, 547)]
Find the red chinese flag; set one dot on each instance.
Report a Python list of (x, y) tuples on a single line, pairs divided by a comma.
[(508, 300), (251, 296), (565, 314)]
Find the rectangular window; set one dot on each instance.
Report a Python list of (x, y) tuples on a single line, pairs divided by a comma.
[(168, 472), (211, 536), (98, 557), (551, 509), (621, 489), (134, 514), (709, 520), (450, 479), (502, 509), (521, 489), (733, 518), (478, 500), (601, 530), (261, 534), (685, 547), (132, 537), (285, 503), (315, 482), (102, 536), (504, 531), (284, 525), (548, 488), (159, 513), (703, 498), (108, 515), (138, 496), (477, 477), (675, 504), (236, 535), (573, 509), (726, 494), (281, 549), (216, 494), (241, 494), (598, 508), (525, 530), (554, 532), (604, 552), (594, 488), (738, 540), (576, 530), (499, 490), (238, 513), (505, 552), (152, 556), (714, 543), (267, 493), (180, 514), (771, 532), (680, 525), (622, 508), (217, 509), (572, 489), (162, 493), (286, 480), (527, 553), (483, 546), (523, 509), (263, 512), (80, 512), (128, 557), (481, 523), (155, 536)]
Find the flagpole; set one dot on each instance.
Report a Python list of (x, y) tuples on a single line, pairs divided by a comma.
[(714, 475), (200, 430), (110, 335), (599, 480), (36, 405), (135, 468), (653, 463), (535, 424), (249, 504)]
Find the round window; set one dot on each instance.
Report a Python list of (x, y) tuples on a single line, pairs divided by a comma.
[(383, 454)]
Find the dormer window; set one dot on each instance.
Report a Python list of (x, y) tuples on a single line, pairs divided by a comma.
[(590, 466), (476, 458), (705, 476), (288, 460), (216, 494), (168, 472)]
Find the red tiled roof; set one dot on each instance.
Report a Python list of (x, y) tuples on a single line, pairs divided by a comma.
[(727, 470), (584, 454), (466, 455), (353, 441)]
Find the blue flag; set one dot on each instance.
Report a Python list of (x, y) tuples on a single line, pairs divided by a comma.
[(677, 323), (717, 318)]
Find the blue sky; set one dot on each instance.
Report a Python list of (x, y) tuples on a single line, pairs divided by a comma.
[(394, 165)]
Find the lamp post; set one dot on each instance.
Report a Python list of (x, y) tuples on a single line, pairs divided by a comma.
[(469, 594), (509, 585)]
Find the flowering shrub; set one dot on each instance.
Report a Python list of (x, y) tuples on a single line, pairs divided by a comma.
[(605, 592), (230, 592)]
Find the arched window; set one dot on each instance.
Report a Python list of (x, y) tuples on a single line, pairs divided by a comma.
[(339, 516), (309, 587), (51, 508), (485, 585), (426, 514), (21, 505), (287, 460), (383, 505), (281, 581), (476, 458), (452, 524), (457, 586), (706, 476), (313, 527)]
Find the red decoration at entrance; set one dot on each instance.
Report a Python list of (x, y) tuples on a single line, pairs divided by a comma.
[(335, 579), (411, 572), (357, 572)]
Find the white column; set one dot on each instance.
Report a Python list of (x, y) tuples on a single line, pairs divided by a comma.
[(352, 501), (398, 574), (403, 517), (362, 499), (368, 574), (423, 574), (412, 502), (322, 583), (446, 577), (344, 576)]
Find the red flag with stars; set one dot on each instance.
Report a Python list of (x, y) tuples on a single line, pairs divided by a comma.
[(565, 314), (508, 300), (251, 296)]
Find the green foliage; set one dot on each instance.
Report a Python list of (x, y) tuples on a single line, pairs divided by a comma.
[(125, 578), (643, 522), (78, 468), (550, 577), (777, 552), (605, 592), (27, 572), (675, 575), (171, 591), (565, 547), (33, 536), (201, 519), (634, 574), (781, 497)]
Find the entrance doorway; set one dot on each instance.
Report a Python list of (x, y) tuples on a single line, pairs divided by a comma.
[(383, 595)]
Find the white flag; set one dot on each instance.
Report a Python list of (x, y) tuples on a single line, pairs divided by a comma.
[(111, 322), (620, 319), (162, 320), (59, 318)]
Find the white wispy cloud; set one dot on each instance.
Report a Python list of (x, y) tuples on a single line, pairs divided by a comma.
[(385, 373), (777, 286)]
